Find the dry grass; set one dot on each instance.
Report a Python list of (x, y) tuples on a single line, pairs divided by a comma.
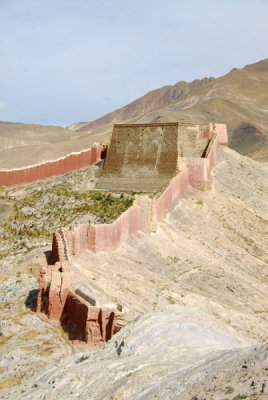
[(10, 382), (39, 211)]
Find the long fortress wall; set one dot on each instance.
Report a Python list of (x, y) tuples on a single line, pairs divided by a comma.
[(145, 212), (96, 238), (71, 162), (196, 173), (58, 298)]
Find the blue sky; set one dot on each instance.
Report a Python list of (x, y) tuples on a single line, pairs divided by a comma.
[(64, 61)]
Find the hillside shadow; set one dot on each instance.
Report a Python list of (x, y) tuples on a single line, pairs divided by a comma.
[(245, 135), (31, 300)]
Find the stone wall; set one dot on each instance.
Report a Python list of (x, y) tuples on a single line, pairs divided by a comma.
[(144, 157), (199, 169), (177, 185), (56, 296), (141, 157), (81, 320), (109, 236), (222, 132), (145, 212), (196, 172), (71, 162), (95, 324), (96, 238)]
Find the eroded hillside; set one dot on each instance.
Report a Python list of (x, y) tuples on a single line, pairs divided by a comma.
[(194, 293), (239, 99)]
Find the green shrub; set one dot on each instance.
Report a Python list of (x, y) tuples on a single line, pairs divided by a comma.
[(57, 205)]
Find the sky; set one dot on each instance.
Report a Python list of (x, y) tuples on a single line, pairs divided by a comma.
[(66, 61)]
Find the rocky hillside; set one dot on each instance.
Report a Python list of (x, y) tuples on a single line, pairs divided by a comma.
[(239, 99), (194, 293)]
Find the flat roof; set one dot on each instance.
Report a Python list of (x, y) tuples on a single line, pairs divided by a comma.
[(155, 124)]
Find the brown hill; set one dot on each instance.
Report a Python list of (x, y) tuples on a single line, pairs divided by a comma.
[(27, 144), (239, 99)]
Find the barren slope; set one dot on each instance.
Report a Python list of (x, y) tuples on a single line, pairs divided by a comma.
[(239, 99), (195, 293), (24, 144)]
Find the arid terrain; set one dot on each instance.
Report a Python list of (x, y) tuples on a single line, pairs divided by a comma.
[(239, 99), (194, 294), (38, 142)]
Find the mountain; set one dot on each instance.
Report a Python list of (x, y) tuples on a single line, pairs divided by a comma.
[(239, 99), (194, 292)]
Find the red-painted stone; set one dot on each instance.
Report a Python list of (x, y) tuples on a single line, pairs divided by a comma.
[(88, 323), (60, 285), (94, 324), (197, 173), (55, 290), (48, 169), (43, 292), (221, 129)]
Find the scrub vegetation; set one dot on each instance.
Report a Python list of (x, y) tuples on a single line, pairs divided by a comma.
[(41, 209)]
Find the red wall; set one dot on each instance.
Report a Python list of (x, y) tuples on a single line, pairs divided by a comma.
[(221, 130), (176, 186), (92, 324), (109, 236), (197, 174), (48, 169), (75, 312), (103, 236)]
